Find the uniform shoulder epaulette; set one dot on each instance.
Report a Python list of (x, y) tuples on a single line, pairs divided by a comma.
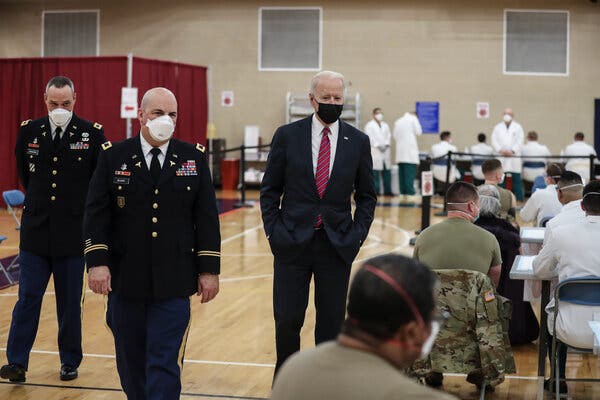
[(25, 122), (201, 148), (106, 145), (97, 126)]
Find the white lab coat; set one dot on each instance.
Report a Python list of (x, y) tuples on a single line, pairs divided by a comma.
[(579, 165), (379, 136), (569, 213), (543, 203), (439, 171), (533, 148), (483, 149), (571, 251), (406, 130), (508, 138)]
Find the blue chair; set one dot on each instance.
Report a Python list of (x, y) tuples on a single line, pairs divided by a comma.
[(581, 291), (13, 198)]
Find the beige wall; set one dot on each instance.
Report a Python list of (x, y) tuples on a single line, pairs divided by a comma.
[(393, 52)]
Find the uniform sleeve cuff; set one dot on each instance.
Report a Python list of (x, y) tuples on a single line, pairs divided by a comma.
[(96, 255), (208, 261)]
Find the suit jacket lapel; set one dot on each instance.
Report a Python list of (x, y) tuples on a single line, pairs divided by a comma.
[(46, 133), (139, 162), (172, 162)]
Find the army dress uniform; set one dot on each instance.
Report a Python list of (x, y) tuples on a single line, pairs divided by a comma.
[(156, 237), (55, 175)]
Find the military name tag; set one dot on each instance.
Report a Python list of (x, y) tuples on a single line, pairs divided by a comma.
[(121, 201), (123, 173), (121, 180), (32, 152), (34, 145)]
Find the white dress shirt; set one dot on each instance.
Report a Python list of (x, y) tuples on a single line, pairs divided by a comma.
[(439, 171), (508, 138), (571, 251), (579, 165), (317, 129), (543, 203), (379, 136), (570, 213), (483, 149), (534, 148), (406, 130), (147, 147), (53, 127)]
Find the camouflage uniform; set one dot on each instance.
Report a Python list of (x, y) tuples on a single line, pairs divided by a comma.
[(475, 339)]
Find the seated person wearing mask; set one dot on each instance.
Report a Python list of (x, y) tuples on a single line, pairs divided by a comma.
[(494, 175), (579, 148), (439, 161), (533, 167), (456, 243), (523, 327), (569, 190), (543, 203), (571, 251), (392, 321), (482, 149)]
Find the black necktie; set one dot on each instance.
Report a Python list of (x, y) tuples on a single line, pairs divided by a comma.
[(155, 164), (56, 139)]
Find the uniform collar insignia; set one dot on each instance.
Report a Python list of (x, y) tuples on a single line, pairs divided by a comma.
[(172, 163), (138, 164)]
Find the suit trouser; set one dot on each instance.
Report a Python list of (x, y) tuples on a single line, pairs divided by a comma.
[(150, 339), (406, 178), (386, 175), (34, 275), (291, 285)]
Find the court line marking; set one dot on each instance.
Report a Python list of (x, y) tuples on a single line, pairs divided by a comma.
[(247, 364), (214, 396), (241, 234)]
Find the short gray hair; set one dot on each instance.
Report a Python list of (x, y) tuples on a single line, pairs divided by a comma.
[(59, 82), (326, 74), (489, 201)]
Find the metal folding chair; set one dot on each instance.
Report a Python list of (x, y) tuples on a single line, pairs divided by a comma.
[(13, 198), (5, 270), (581, 291)]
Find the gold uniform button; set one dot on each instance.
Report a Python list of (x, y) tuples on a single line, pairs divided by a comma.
[(155, 206), (78, 158), (120, 187), (53, 198), (154, 234), (54, 172), (189, 188), (55, 159), (53, 185), (155, 191), (154, 220)]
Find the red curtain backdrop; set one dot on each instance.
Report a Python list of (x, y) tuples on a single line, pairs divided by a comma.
[(98, 82), (188, 82)]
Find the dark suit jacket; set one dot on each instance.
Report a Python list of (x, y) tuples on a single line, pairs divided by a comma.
[(289, 200), (56, 183), (155, 238)]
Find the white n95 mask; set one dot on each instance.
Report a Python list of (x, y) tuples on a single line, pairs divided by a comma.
[(161, 128), (60, 116), (379, 117), (507, 118)]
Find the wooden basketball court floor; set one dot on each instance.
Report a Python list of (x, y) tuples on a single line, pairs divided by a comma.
[(230, 352)]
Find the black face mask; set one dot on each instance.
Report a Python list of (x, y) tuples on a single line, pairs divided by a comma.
[(329, 113)]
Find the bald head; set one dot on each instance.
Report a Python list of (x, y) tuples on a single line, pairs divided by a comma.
[(157, 94), (508, 111)]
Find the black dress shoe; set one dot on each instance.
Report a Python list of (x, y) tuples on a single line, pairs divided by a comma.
[(68, 373), (13, 372)]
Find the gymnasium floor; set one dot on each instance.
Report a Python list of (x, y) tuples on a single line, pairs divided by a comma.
[(230, 351)]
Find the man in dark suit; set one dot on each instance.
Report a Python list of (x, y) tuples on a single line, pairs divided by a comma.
[(56, 156), (314, 166), (152, 239)]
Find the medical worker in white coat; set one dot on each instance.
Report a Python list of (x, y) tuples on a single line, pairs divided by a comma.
[(406, 130), (507, 139), (579, 148), (380, 138)]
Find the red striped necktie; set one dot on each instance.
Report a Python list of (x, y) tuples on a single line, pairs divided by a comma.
[(322, 174)]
